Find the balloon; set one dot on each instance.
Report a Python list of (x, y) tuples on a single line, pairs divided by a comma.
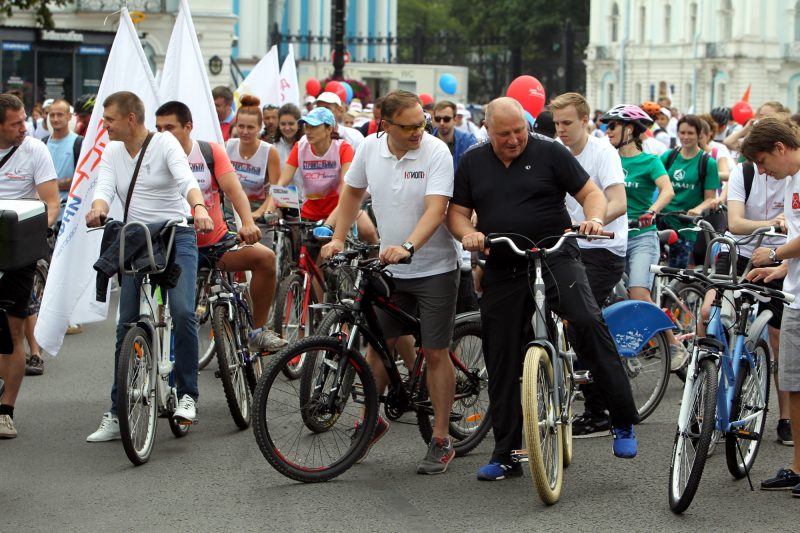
[(741, 112), (348, 90), (313, 87), (338, 89), (529, 92), (448, 83), (426, 98), (530, 119)]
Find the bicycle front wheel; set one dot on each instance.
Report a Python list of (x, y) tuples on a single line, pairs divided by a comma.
[(293, 319), (690, 450), (279, 425), (648, 373), (137, 400), (231, 369), (750, 399), (541, 425)]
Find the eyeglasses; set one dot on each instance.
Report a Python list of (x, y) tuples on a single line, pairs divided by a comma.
[(408, 127), (613, 125), (443, 119)]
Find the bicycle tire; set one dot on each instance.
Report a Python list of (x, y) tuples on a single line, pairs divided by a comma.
[(692, 295), (750, 396), (683, 484), (280, 430), (542, 430), (287, 322), (476, 420), (178, 430), (205, 334), (137, 394), (648, 373), (566, 429), (231, 369)]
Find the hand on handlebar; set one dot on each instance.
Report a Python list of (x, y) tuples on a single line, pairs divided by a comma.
[(250, 234), (646, 220), (332, 248), (392, 255), (590, 227), (96, 218), (203, 222), (474, 242), (761, 256), (767, 274)]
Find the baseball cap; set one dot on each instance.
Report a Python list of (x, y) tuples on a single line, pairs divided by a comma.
[(309, 99), (666, 112), (48, 102), (329, 98), (318, 116)]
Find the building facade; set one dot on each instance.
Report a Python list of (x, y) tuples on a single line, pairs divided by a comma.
[(702, 53), (69, 61)]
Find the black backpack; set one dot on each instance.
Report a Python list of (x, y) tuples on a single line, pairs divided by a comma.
[(208, 155), (749, 170), (702, 167), (76, 147)]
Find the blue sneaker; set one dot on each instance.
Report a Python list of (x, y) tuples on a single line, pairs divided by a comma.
[(625, 445), (495, 471)]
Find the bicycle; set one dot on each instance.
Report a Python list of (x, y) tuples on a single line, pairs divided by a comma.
[(307, 431), (231, 325), (145, 379), (549, 384), (729, 386)]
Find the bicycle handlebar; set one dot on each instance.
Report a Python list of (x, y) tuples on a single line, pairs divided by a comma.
[(491, 240), (687, 274)]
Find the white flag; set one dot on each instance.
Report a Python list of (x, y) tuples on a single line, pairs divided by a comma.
[(184, 78), (69, 295), (290, 92), (263, 81)]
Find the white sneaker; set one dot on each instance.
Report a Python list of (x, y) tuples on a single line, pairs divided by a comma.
[(7, 429), (108, 430), (267, 341), (187, 409), (678, 356)]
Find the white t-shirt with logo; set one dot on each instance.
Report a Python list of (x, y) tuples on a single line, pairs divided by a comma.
[(601, 161), (252, 172), (765, 203), (398, 190), (354, 137), (791, 210), (29, 167)]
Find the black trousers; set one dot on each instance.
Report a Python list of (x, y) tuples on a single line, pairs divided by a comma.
[(604, 269), (506, 310)]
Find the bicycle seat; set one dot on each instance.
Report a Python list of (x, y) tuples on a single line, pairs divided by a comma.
[(668, 236)]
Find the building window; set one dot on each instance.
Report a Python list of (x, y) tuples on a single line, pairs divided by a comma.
[(610, 95), (721, 95), (687, 97), (667, 22), (727, 20), (637, 92), (614, 22), (692, 20), (797, 21), (642, 23)]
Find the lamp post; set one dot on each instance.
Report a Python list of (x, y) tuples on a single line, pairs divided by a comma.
[(338, 39)]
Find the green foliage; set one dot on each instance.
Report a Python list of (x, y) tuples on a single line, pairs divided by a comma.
[(44, 17)]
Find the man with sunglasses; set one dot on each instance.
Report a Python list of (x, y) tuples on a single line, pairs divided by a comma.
[(444, 114), (410, 177)]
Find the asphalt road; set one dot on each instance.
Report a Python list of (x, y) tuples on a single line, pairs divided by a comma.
[(215, 479)]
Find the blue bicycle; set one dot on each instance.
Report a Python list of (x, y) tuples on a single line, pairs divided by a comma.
[(727, 381)]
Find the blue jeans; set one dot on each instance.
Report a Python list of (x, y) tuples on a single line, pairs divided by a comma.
[(181, 305)]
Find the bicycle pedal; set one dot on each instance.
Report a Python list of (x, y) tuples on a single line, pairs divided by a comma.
[(519, 456), (744, 434), (583, 377)]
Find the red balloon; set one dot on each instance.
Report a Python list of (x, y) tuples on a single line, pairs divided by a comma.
[(741, 112), (336, 88), (313, 87), (529, 92), (426, 98)]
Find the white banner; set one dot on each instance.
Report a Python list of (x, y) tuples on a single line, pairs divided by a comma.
[(69, 295), (184, 78), (290, 92), (263, 81)]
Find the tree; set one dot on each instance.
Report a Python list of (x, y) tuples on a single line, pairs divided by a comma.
[(44, 17)]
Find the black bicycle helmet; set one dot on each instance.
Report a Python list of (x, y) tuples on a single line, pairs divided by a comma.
[(85, 104), (721, 115)]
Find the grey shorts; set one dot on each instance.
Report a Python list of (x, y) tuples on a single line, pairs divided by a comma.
[(789, 361), (433, 300)]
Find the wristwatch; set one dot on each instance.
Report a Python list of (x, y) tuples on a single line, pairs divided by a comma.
[(408, 247), (773, 255)]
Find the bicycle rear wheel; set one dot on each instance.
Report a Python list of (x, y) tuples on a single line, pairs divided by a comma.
[(648, 373), (137, 400), (278, 421), (690, 450), (751, 398), (566, 428), (471, 404), (231, 369), (541, 425)]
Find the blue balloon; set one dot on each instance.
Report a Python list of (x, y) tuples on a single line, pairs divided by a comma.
[(530, 119), (348, 89), (448, 83)]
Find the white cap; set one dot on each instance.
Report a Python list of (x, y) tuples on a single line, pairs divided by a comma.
[(47, 103), (460, 108), (310, 99), (666, 112), (329, 98), (356, 107)]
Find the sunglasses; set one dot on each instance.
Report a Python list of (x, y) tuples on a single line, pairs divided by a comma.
[(443, 119), (613, 125), (408, 127)]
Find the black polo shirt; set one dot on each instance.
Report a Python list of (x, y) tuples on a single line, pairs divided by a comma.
[(527, 198)]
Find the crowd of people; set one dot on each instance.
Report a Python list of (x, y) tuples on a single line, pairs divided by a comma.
[(439, 184)]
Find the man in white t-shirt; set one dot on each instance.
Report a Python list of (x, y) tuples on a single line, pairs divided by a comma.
[(773, 145), (164, 184), (26, 171), (604, 259), (333, 103), (410, 177)]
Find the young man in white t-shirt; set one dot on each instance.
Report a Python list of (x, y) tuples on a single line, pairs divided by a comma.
[(773, 144), (26, 171), (604, 259), (410, 178)]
